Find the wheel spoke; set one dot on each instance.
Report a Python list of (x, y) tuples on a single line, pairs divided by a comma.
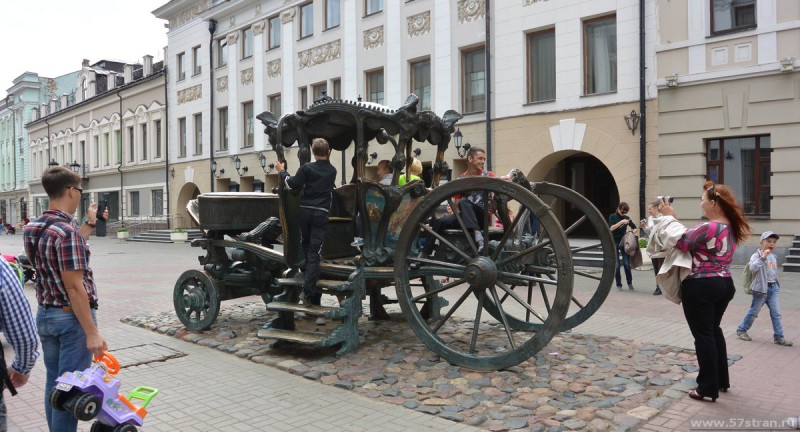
[(546, 299), (477, 323), (507, 234), (575, 225), (464, 229), (437, 290), (526, 278), (530, 299), (581, 249), (487, 219), (493, 290), (440, 264), (452, 310), (588, 275), (522, 253), (520, 301), (443, 240)]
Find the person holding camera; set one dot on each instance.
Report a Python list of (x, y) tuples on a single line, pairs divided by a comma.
[(618, 222), (707, 290), (764, 289)]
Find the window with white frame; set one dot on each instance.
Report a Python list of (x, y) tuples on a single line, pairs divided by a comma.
[(421, 82), (744, 165), (222, 52), (182, 137), (332, 14), (474, 80), (542, 66), (373, 6), (196, 61), (223, 129), (96, 148), (134, 203), (118, 137), (306, 20), (157, 124), (131, 144), (181, 61), (248, 124), (247, 43), (319, 90), (275, 105), (732, 15), (107, 146), (303, 101), (143, 155), (274, 32), (600, 55), (374, 81), (337, 88), (198, 134), (157, 198)]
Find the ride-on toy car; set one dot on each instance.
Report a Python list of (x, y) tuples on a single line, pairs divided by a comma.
[(93, 393)]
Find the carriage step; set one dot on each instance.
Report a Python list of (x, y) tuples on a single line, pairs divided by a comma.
[(329, 285), (308, 338), (323, 311)]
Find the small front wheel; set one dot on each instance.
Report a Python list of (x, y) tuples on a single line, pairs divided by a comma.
[(86, 407), (57, 399), (125, 428)]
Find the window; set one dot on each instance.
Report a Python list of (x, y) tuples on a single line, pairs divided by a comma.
[(275, 105), (319, 90), (84, 89), (181, 66), (144, 141), (247, 43), (303, 102), (96, 142), (196, 60), (198, 134), (157, 196), (337, 88), (421, 82), (375, 86), (732, 15), (134, 203), (118, 137), (247, 110), (182, 137), (274, 32), (107, 147), (158, 138), (131, 144), (600, 55), (223, 128), (744, 165), (373, 6), (306, 20), (474, 84), (542, 66), (332, 16), (222, 52)]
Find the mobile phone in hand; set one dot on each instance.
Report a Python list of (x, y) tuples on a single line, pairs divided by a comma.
[(101, 208)]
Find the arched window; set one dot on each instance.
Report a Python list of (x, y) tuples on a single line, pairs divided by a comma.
[(84, 88)]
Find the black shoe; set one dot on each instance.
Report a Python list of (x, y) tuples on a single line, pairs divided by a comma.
[(657, 291)]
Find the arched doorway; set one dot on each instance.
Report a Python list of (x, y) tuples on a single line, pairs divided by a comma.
[(188, 192), (585, 174)]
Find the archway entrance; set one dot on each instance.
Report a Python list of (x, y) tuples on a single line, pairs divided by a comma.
[(588, 176), (188, 192)]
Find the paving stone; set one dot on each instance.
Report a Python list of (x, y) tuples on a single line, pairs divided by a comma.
[(574, 424), (452, 416), (476, 420), (516, 424)]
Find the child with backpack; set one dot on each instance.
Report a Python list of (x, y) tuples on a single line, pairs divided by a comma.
[(764, 288)]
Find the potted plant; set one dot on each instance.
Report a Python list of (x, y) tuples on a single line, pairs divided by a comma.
[(178, 235), (123, 234)]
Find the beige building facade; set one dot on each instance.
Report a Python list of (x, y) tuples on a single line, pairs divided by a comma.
[(729, 109)]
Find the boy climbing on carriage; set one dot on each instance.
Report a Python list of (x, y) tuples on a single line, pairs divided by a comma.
[(317, 179)]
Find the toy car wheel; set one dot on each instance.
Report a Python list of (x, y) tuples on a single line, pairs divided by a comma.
[(58, 398), (125, 428), (100, 427), (86, 407)]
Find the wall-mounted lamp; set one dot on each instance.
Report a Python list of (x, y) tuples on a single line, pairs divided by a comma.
[(74, 166), (672, 80), (632, 121), (237, 163), (262, 160), (372, 157), (787, 64), (728, 155), (172, 172), (214, 170), (462, 150), (417, 152), (53, 163)]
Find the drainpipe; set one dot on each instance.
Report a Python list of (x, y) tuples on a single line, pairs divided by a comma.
[(642, 117), (212, 27), (166, 151), (121, 158), (487, 51)]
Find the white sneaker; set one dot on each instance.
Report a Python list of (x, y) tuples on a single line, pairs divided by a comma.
[(320, 321), (479, 240)]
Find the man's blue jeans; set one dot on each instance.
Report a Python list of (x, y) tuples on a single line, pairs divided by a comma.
[(623, 260), (771, 299), (64, 350)]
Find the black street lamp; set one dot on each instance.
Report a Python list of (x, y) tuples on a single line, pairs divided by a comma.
[(214, 170), (237, 163), (458, 137)]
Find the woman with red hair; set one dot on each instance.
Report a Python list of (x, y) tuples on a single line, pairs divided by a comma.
[(706, 292)]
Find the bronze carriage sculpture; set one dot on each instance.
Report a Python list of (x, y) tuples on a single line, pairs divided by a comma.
[(523, 279)]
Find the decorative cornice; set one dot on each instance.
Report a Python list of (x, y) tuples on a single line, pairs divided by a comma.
[(247, 76), (189, 13), (288, 15), (320, 54), (530, 2), (258, 27), (471, 10), (232, 38), (373, 37), (274, 68), (419, 24), (190, 94), (222, 84)]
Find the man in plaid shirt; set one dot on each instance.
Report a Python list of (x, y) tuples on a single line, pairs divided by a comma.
[(65, 290), (17, 324)]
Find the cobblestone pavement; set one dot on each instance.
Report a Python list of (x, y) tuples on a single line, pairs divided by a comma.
[(576, 382)]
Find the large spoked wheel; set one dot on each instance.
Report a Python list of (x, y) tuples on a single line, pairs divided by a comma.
[(463, 334), (196, 300), (588, 233)]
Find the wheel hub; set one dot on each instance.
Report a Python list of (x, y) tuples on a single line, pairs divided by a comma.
[(481, 272), (194, 299)]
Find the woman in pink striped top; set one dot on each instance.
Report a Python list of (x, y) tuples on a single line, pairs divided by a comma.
[(705, 294)]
